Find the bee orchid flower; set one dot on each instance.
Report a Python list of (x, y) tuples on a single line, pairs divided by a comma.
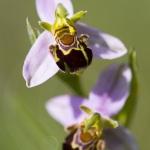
[(106, 99), (65, 43)]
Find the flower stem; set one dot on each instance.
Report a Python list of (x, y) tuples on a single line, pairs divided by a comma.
[(73, 81)]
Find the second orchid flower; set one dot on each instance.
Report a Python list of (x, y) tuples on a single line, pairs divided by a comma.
[(106, 99)]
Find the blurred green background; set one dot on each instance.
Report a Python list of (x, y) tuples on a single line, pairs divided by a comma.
[(24, 123)]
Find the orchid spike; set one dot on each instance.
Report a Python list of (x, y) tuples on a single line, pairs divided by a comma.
[(42, 61)]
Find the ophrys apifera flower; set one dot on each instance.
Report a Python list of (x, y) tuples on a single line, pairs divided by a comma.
[(66, 44), (106, 99)]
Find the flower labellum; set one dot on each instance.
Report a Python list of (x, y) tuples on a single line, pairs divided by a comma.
[(70, 52), (80, 140)]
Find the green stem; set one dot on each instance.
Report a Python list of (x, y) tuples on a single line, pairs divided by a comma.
[(73, 81), (126, 114)]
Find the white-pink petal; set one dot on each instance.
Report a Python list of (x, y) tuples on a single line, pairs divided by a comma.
[(39, 65), (102, 44), (111, 90), (65, 109), (46, 9)]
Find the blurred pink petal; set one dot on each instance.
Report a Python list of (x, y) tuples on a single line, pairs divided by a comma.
[(46, 9), (39, 65), (111, 90), (65, 109), (103, 45)]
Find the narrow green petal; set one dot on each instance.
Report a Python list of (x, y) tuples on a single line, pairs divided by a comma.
[(110, 123), (86, 109), (31, 33), (126, 114), (61, 11), (46, 26), (78, 16)]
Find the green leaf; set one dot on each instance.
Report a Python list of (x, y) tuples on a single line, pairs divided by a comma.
[(126, 114), (31, 33), (78, 16), (46, 26)]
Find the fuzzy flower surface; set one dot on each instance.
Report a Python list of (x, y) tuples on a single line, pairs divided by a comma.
[(40, 65), (107, 98)]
